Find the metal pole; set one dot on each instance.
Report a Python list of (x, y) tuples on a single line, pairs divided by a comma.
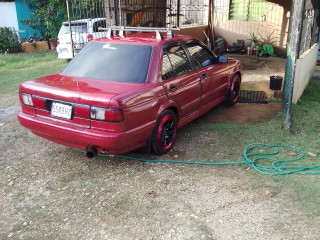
[(70, 28), (120, 17), (116, 12), (210, 24), (178, 14), (108, 13)]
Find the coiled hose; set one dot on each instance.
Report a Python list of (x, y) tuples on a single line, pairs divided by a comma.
[(259, 156)]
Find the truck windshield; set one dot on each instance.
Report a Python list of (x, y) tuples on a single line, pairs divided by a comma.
[(111, 62), (75, 27)]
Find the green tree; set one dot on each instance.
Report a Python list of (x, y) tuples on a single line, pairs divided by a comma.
[(47, 16)]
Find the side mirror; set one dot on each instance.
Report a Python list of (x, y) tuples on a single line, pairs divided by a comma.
[(206, 63), (222, 59)]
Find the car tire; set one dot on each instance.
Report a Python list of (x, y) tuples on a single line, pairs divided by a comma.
[(164, 133), (147, 148), (233, 93)]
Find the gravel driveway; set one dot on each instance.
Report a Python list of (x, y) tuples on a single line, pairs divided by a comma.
[(50, 191)]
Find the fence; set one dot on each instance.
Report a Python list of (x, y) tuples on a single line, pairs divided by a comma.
[(148, 13), (151, 13), (157, 13), (85, 9), (310, 23)]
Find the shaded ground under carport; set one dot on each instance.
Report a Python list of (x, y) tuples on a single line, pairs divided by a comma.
[(257, 72), (256, 77), (244, 113)]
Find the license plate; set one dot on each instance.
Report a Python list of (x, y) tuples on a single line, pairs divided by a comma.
[(61, 110), (63, 50)]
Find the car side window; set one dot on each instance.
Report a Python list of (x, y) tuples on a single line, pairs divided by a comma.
[(174, 62), (97, 24), (201, 56)]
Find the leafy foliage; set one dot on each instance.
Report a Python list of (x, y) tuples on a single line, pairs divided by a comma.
[(269, 38), (253, 39), (8, 40), (47, 16)]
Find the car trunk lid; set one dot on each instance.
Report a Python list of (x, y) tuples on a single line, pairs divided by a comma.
[(72, 89), (74, 94)]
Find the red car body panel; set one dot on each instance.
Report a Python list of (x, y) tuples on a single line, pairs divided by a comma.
[(188, 96)]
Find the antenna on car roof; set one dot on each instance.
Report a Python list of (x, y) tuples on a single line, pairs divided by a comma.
[(122, 29)]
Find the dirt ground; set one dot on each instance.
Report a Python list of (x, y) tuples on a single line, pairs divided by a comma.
[(256, 76), (257, 72), (48, 191), (244, 113)]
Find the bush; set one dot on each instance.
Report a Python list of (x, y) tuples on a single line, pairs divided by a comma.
[(8, 40)]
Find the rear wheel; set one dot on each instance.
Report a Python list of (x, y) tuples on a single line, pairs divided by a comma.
[(164, 133), (233, 91)]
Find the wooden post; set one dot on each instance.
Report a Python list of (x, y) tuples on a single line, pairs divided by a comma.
[(293, 45), (210, 24)]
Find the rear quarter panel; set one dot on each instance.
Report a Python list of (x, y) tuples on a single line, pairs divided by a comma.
[(143, 107), (233, 67)]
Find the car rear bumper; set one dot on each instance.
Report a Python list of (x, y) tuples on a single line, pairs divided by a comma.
[(82, 138)]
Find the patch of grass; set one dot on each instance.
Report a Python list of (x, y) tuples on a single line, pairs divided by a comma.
[(306, 191), (306, 113), (17, 68), (305, 135)]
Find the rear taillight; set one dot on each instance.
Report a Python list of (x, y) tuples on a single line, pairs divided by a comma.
[(106, 114), (39, 102), (90, 37), (27, 99), (82, 111), (58, 42)]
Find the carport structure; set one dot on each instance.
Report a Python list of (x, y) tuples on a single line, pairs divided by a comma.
[(292, 27), (302, 51)]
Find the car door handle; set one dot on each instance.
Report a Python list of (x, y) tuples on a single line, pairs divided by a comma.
[(203, 76), (173, 88)]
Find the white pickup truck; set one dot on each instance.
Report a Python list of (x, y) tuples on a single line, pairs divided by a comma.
[(82, 31)]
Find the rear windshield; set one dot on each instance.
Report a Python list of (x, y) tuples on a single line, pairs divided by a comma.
[(75, 27), (111, 62)]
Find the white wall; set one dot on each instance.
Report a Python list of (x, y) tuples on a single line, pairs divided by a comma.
[(8, 15), (272, 30), (305, 67)]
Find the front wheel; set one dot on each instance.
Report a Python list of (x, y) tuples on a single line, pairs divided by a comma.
[(233, 93), (164, 133)]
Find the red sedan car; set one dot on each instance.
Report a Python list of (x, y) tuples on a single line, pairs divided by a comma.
[(125, 92)]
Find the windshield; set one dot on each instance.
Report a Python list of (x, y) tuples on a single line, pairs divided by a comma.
[(75, 27), (111, 62)]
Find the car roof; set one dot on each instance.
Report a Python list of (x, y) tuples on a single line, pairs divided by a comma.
[(144, 38), (86, 20)]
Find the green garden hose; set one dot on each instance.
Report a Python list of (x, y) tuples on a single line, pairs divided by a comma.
[(259, 156)]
